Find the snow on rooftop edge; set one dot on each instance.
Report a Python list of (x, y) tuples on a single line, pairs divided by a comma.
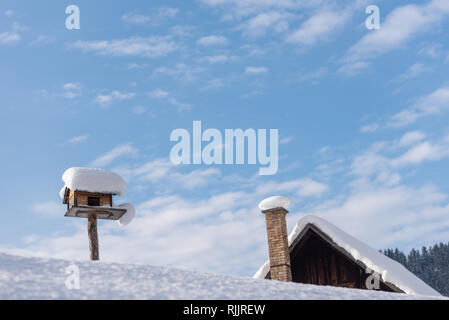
[(390, 270), (42, 278), (93, 180)]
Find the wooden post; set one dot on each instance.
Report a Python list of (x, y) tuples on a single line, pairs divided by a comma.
[(93, 237)]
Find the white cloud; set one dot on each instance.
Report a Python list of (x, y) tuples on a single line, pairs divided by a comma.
[(72, 90), (9, 38), (402, 23), (213, 40), (180, 105), (72, 86), (311, 77), (319, 27), (9, 13), (132, 66), (150, 47), (237, 9), (253, 50), (301, 187), (183, 31), (78, 139), (222, 58), (106, 99), (42, 93), (138, 110), (16, 26), (432, 104), (256, 18), (42, 40), (180, 71), (30, 239), (370, 128), (196, 178), (166, 12), (135, 18), (159, 93), (49, 209), (285, 140), (156, 18), (252, 93), (433, 51), (214, 84), (384, 161), (414, 71), (264, 22), (255, 70), (398, 27), (354, 67), (424, 151), (117, 152), (380, 210), (69, 90), (411, 138), (151, 171), (163, 169), (385, 217), (162, 94)]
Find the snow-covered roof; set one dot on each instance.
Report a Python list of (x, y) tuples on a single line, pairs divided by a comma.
[(93, 180), (42, 278), (390, 270)]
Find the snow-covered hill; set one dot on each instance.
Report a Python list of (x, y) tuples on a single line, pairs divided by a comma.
[(38, 278)]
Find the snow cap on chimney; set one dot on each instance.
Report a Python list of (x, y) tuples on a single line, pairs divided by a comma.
[(274, 203)]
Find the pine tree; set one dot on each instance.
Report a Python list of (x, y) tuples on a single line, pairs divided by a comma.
[(429, 264)]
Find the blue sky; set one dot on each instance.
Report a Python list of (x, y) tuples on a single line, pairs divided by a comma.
[(362, 117)]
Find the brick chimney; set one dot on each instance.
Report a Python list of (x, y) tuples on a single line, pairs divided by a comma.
[(275, 211)]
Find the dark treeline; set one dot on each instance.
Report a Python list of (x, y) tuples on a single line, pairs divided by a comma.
[(430, 265)]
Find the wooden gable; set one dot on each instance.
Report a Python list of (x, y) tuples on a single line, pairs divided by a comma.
[(316, 259)]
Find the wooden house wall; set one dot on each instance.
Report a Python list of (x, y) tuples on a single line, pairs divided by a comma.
[(315, 261), (79, 198), (82, 197)]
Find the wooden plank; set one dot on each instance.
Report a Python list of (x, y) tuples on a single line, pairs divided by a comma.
[(100, 213), (317, 262), (93, 237)]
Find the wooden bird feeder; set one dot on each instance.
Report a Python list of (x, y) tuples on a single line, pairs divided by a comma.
[(82, 204), (88, 193)]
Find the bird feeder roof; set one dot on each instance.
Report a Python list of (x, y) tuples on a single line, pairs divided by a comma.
[(93, 180)]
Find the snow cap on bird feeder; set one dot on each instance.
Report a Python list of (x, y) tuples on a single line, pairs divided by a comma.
[(88, 193)]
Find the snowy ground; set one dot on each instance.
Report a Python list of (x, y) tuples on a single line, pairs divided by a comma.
[(38, 278)]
